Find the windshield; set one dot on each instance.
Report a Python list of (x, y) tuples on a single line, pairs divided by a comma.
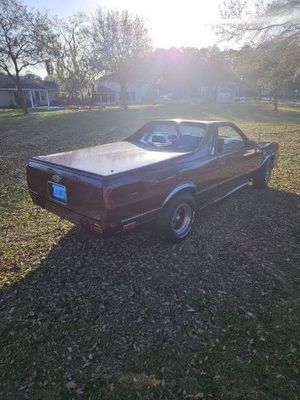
[(164, 136)]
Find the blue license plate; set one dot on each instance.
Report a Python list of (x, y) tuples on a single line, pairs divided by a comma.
[(58, 192)]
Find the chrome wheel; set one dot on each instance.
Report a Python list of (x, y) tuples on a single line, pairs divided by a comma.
[(177, 217), (181, 220)]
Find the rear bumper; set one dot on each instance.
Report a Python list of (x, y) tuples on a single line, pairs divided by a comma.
[(96, 226), (63, 212)]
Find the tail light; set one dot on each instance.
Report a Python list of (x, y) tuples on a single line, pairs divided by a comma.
[(96, 227)]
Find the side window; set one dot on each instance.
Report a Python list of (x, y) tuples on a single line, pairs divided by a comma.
[(229, 140)]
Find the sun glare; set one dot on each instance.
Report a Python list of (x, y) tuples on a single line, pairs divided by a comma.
[(171, 23), (180, 23), (175, 23)]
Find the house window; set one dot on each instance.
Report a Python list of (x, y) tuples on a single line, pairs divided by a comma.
[(107, 98), (131, 97)]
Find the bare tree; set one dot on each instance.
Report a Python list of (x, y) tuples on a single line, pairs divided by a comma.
[(119, 39), (25, 39), (273, 31), (277, 19), (73, 66)]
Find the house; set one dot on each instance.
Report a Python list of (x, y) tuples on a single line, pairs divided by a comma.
[(223, 95), (37, 93), (105, 95), (240, 89), (109, 92)]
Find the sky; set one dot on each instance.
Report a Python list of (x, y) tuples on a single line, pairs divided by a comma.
[(172, 23)]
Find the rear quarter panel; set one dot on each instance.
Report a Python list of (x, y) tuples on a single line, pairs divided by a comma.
[(140, 191), (144, 191)]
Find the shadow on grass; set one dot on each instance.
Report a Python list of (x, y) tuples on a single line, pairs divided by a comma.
[(96, 311)]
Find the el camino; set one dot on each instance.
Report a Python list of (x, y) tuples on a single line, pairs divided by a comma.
[(162, 173)]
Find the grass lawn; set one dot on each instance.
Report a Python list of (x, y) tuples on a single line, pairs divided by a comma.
[(136, 318)]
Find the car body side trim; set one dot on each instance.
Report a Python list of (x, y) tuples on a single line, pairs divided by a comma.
[(225, 195), (124, 221), (218, 184)]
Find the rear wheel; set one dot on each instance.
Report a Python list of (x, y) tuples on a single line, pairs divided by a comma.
[(177, 218), (262, 177)]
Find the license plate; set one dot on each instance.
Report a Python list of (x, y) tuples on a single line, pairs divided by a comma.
[(57, 192)]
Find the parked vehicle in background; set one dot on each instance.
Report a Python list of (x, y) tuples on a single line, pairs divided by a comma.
[(160, 173)]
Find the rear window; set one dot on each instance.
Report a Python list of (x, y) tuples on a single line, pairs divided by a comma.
[(192, 130), (171, 136)]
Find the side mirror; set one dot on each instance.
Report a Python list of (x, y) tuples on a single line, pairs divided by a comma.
[(220, 145)]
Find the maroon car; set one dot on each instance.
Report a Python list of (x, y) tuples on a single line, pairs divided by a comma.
[(160, 173)]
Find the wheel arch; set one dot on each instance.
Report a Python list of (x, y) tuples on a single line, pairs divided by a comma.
[(270, 157), (185, 187)]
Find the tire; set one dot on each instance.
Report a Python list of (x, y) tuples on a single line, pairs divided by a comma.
[(177, 218), (262, 177)]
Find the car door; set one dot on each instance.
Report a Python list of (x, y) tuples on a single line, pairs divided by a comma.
[(237, 156), (200, 167)]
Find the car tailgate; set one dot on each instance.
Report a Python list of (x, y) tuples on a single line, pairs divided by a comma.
[(83, 191)]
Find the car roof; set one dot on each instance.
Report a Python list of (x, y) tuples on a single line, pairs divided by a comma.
[(195, 121)]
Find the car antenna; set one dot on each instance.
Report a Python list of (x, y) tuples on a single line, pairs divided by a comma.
[(259, 133)]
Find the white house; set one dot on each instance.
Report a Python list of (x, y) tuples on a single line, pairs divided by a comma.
[(37, 93), (109, 92)]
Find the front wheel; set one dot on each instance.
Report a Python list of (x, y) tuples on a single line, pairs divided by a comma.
[(262, 177), (177, 218)]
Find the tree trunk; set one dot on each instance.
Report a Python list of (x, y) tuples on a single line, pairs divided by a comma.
[(21, 96), (275, 102), (123, 94), (212, 92), (215, 93)]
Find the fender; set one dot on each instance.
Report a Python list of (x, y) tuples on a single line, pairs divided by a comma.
[(269, 156), (179, 188), (270, 150)]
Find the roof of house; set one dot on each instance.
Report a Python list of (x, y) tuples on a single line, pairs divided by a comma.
[(6, 82)]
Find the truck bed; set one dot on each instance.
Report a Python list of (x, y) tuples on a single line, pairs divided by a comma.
[(108, 159)]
